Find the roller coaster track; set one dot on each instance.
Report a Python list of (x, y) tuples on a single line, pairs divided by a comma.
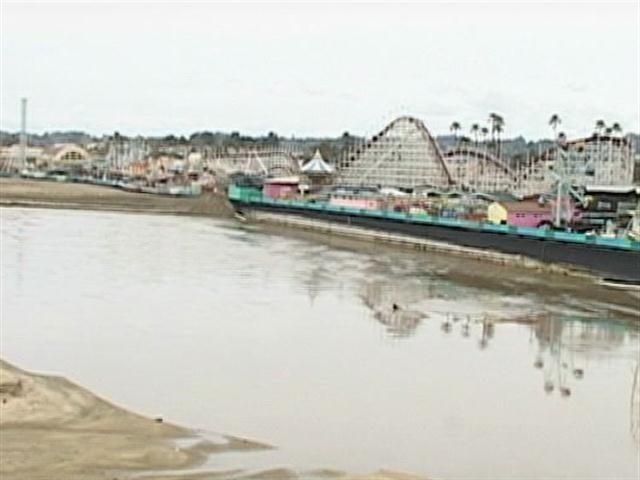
[(480, 155), (400, 130)]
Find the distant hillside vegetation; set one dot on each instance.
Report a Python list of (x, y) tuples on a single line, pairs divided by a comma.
[(513, 149)]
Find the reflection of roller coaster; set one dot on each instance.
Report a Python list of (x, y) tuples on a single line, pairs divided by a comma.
[(381, 298), (405, 155)]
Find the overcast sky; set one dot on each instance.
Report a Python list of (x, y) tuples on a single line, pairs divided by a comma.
[(318, 69)]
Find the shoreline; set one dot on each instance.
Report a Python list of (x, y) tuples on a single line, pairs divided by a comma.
[(24, 193), (475, 272), (21, 193), (50, 427), (45, 417), (420, 244), (16, 192), (98, 207)]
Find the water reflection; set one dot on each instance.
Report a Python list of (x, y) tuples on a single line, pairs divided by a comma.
[(349, 356), (635, 405), (389, 306), (567, 335), (399, 322), (566, 345)]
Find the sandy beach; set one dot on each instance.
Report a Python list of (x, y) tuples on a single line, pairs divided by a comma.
[(53, 428), (47, 194)]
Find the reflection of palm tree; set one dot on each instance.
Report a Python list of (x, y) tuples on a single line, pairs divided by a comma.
[(488, 330), (635, 405)]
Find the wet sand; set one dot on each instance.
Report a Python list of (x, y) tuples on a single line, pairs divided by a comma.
[(48, 194), (473, 272), (52, 428)]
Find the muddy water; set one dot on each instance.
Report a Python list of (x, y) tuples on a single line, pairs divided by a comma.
[(482, 371)]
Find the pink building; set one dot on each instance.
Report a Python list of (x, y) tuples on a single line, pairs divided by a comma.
[(355, 201), (281, 187), (528, 213)]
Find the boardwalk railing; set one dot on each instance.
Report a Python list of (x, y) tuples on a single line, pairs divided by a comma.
[(253, 196)]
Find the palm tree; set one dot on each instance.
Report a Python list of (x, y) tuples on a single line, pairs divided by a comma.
[(497, 126), (554, 121), (492, 119), (616, 128), (609, 133), (600, 125), (562, 138), (484, 131), (475, 128), (495, 120), (455, 128)]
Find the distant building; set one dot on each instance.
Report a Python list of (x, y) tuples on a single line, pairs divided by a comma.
[(161, 163), (609, 204), (597, 160), (527, 213), (282, 187), (10, 157), (66, 154), (316, 172), (59, 155), (138, 168), (362, 200)]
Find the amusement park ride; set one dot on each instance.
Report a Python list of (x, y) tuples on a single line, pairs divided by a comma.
[(405, 155)]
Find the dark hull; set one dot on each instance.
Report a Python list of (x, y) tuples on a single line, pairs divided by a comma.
[(606, 262)]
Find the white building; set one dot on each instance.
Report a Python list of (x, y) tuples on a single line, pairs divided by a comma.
[(596, 160)]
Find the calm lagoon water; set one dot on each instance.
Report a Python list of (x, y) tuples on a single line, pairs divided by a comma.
[(290, 339)]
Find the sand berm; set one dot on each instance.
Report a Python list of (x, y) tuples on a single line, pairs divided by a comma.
[(51, 428), (48, 194)]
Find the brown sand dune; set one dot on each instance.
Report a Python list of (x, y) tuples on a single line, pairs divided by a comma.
[(51, 428), (48, 194)]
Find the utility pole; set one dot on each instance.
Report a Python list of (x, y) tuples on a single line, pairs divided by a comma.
[(23, 133)]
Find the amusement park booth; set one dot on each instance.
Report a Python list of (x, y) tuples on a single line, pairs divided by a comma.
[(281, 187)]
